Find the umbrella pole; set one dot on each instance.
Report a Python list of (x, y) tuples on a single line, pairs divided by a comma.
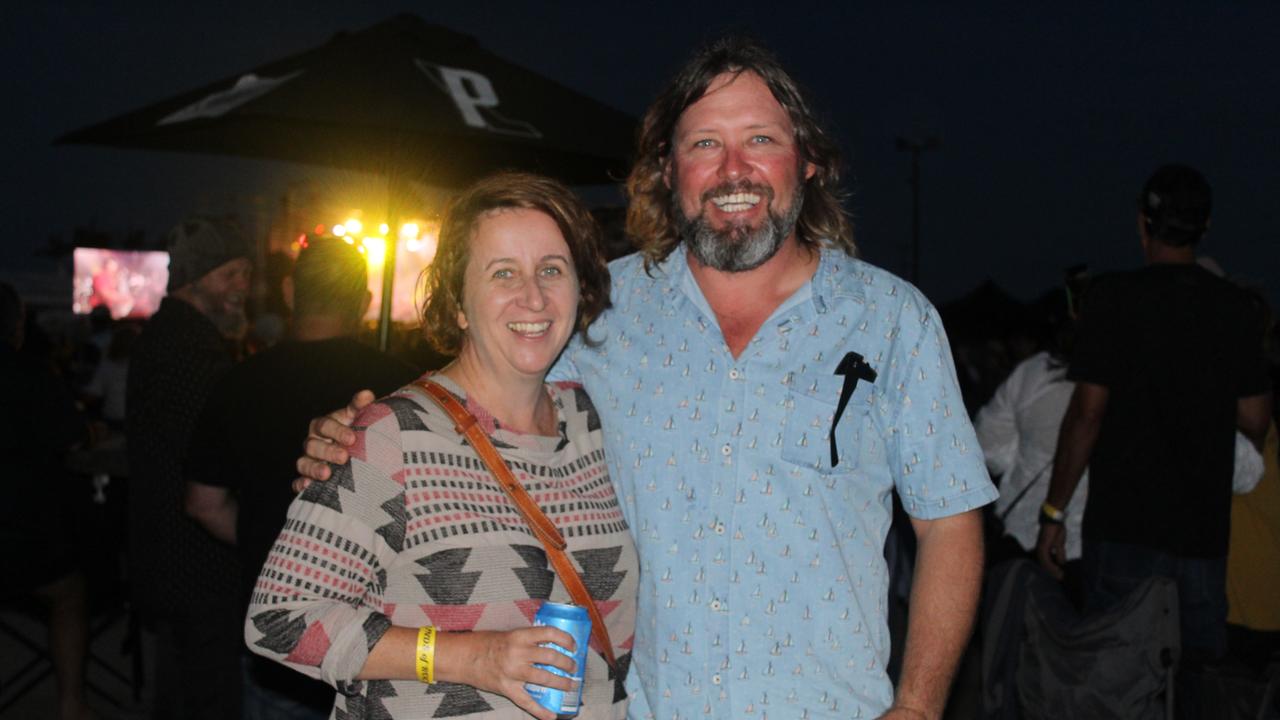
[(396, 187)]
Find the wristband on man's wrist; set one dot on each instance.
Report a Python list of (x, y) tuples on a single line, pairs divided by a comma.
[(1051, 514)]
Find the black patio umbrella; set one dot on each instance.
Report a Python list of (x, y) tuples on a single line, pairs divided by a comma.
[(403, 98)]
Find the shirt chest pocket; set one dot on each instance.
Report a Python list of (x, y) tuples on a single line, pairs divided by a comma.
[(806, 439)]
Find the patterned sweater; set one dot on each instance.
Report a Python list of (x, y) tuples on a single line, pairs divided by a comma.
[(414, 531)]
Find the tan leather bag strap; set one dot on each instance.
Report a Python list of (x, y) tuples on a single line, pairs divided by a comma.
[(545, 530)]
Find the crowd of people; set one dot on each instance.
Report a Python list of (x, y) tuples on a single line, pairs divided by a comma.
[(716, 426)]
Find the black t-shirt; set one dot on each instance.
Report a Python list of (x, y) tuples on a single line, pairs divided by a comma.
[(1176, 347), (177, 569), (250, 432)]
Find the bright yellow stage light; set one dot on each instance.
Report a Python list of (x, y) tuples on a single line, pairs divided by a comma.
[(340, 230), (354, 226), (383, 229), (377, 248), (408, 230)]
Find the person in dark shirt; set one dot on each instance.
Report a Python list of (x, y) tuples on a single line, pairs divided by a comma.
[(182, 580), (39, 424), (241, 459), (1168, 364)]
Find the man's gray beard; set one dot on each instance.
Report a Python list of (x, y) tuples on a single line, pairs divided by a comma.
[(737, 248), (231, 325)]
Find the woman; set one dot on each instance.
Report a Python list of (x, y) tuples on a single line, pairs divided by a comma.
[(414, 531)]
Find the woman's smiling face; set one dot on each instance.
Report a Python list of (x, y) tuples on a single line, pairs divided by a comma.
[(520, 293)]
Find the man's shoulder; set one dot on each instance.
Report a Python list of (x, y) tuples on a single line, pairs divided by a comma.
[(177, 328), (337, 357), (844, 277), (1139, 287), (637, 288), (630, 270)]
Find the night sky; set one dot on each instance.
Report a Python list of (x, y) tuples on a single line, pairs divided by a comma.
[(1049, 119)]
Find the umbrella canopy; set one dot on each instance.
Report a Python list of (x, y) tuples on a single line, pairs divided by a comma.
[(402, 98)]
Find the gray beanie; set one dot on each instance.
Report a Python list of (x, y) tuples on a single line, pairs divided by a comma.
[(199, 245)]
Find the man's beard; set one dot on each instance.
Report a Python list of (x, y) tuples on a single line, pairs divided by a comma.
[(231, 322), (737, 248), (232, 325)]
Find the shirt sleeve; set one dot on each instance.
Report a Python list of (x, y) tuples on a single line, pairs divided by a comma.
[(997, 428), (1254, 376), (209, 454), (934, 455), (565, 370), (317, 604), (1094, 358)]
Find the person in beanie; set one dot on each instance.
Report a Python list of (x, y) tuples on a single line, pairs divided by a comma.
[(184, 581), (1168, 363)]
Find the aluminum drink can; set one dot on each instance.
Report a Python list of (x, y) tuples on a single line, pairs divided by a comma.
[(574, 620)]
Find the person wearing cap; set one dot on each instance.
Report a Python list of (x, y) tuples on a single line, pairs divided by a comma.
[(183, 580), (1168, 364)]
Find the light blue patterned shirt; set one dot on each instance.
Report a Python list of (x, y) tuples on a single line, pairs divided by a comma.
[(763, 583)]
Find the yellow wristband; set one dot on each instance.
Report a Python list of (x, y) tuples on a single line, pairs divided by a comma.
[(425, 658), (1052, 513)]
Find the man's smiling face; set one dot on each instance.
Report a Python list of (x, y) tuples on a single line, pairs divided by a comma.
[(735, 174)]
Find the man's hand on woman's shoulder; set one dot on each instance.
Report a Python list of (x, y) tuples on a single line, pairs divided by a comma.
[(328, 438)]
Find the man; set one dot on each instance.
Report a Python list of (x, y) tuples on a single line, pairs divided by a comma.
[(39, 542), (184, 581), (1168, 363), (243, 452), (733, 336)]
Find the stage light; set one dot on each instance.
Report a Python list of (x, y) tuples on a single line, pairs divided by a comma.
[(340, 230), (354, 226), (377, 248)]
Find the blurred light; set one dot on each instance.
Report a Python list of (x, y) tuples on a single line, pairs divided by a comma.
[(354, 226), (408, 230), (339, 230), (320, 229), (349, 240), (377, 250), (383, 229), (429, 247), (413, 245)]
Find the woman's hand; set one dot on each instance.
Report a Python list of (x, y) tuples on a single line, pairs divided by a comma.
[(327, 441), (502, 662)]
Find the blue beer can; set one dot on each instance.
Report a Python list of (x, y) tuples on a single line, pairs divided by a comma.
[(574, 620)]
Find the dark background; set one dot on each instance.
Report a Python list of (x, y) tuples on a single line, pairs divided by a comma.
[(1050, 117)]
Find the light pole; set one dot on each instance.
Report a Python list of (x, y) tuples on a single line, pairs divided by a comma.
[(916, 146)]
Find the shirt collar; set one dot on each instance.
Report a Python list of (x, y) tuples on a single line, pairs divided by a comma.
[(816, 295)]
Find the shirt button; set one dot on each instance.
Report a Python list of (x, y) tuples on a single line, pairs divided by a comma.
[(726, 450), (734, 374), (715, 605), (719, 528), (715, 679)]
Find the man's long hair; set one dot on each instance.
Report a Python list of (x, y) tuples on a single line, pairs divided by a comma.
[(651, 218)]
